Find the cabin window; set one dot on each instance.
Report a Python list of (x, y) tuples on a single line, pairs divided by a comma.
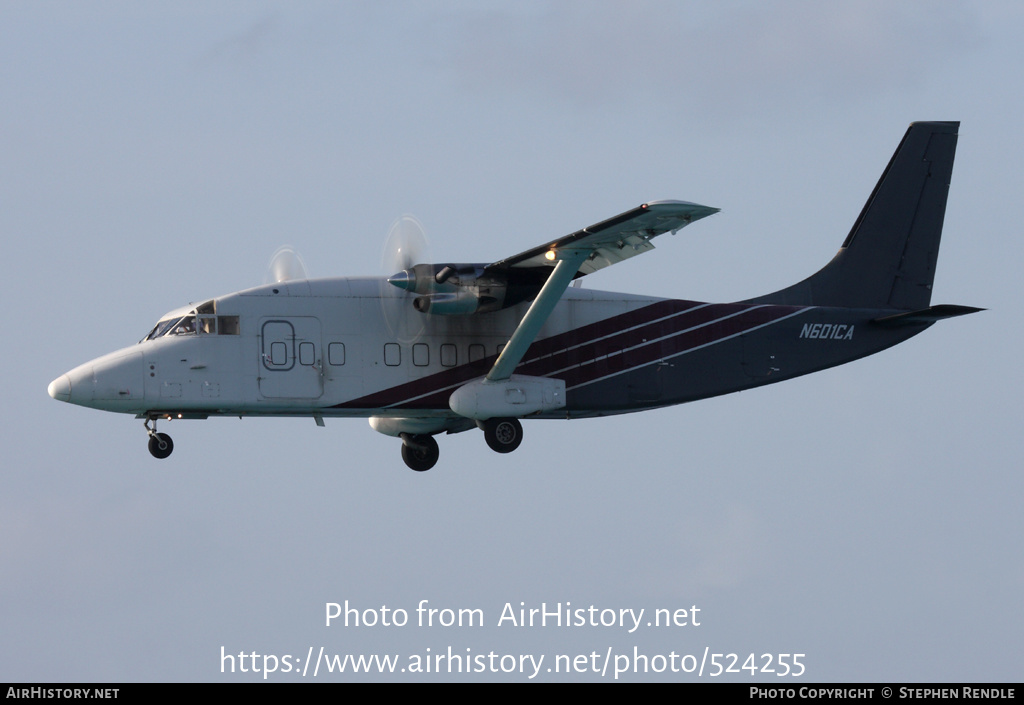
[(278, 353), (336, 354), (392, 354), (307, 353), (449, 355), (476, 352), (421, 354)]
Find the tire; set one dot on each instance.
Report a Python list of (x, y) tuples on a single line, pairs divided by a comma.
[(160, 445), (422, 455), (503, 435)]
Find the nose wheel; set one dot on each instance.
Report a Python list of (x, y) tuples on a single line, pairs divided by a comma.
[(160, 444)]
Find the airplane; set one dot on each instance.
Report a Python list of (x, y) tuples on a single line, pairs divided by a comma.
[(449, 347)]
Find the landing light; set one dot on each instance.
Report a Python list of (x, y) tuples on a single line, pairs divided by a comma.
[(550, 255)]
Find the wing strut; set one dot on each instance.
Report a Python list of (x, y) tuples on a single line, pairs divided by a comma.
[(502, 394), (569, 261)]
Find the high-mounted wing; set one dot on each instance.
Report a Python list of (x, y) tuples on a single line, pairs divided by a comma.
[(541, 274), (465, 289), (613, 240), (582, 252), (501, 394)]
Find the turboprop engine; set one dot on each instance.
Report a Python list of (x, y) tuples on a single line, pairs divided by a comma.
[(459, 289)]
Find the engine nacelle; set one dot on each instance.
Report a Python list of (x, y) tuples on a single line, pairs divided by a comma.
[(461, 302), (518, 396), (459, 289)]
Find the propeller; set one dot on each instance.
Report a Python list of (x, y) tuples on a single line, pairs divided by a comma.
[(405, 246), (285, 265)]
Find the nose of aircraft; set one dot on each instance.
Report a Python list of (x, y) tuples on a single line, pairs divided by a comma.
[(60, 388), (113, 382)]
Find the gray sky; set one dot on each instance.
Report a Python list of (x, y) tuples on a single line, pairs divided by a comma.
[(157, 154)]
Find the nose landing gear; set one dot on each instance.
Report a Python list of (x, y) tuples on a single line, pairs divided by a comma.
[(160, 444)]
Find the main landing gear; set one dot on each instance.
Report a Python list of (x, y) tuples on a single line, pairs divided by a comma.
[(503, 435), (160, 444), (420, 451)]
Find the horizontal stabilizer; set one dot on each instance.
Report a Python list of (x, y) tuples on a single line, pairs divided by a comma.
[(926, 315)]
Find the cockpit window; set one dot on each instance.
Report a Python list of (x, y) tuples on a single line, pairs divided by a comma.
[(204, 323), (228, 325), (186, 325), (160, 329)]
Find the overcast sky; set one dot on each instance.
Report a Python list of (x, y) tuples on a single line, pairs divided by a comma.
[(153, 155)]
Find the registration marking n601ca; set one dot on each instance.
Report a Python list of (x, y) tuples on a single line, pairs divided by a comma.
[(831, 331)]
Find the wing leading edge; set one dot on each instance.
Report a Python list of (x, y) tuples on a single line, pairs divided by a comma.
[(614, 240)]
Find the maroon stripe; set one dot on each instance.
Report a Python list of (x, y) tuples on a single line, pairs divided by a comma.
[(579, 358), (441, 381), (445, 379), (619, 360), (627, 339), (676, 344), (606, 326)]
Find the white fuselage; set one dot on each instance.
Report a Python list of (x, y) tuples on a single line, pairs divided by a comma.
[(310, 347)]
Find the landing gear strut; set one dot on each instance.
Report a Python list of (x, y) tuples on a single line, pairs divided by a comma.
[(420, 452), (503, 435), (160, 444)]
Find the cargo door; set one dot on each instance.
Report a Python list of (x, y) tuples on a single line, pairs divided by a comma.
[(291, 358)]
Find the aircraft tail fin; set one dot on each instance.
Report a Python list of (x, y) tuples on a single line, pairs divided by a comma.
[(888, 259)]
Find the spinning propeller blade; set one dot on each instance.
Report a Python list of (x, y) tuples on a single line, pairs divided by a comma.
[(285, 265), (405, 246)]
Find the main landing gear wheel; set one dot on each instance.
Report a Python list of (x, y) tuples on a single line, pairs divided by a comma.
[(160, 445), (420, 452), (503, 435)]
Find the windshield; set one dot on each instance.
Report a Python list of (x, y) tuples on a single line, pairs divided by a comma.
[(202, 320), (186, 325)]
